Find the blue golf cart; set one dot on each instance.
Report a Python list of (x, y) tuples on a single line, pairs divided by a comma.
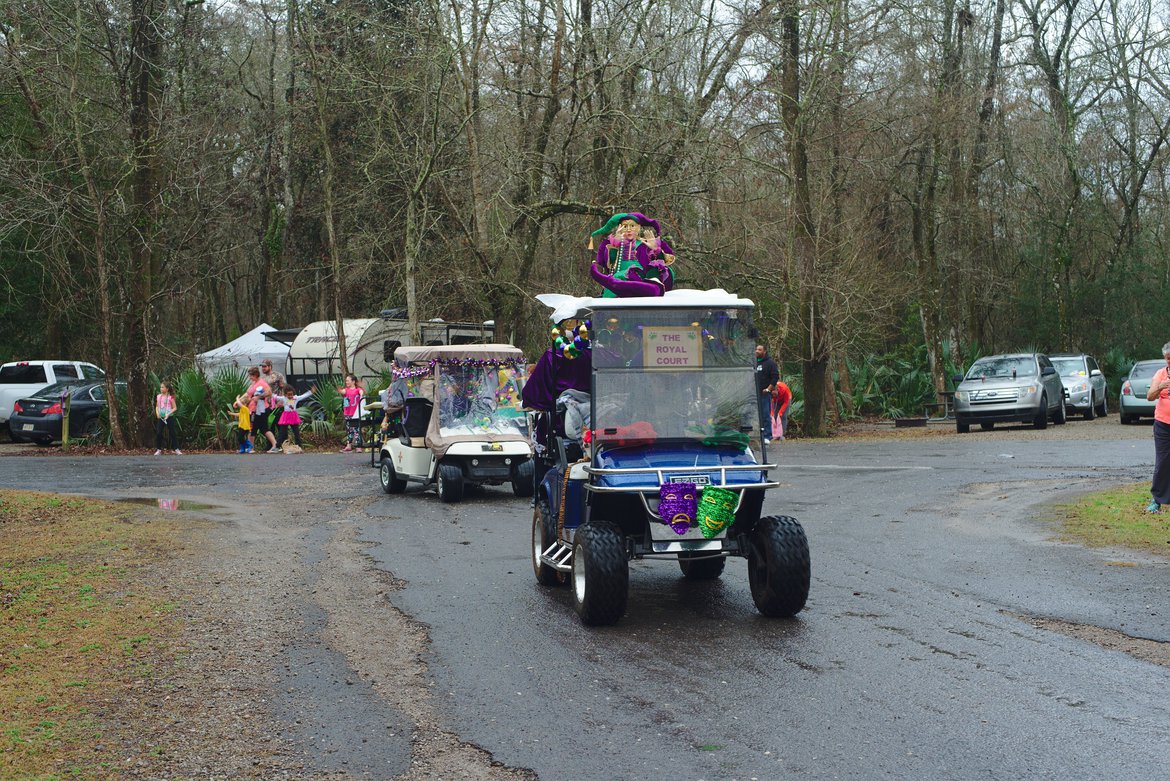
[(670, 416)]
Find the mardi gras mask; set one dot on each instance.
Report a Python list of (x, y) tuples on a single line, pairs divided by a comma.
[(676, 504), (716, 510)]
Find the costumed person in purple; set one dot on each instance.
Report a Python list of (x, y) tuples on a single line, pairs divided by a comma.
[(632, 260), (567, 365)]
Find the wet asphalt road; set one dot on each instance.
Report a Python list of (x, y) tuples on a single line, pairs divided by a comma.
[(910, 660)]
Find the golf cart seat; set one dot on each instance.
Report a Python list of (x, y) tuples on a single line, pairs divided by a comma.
[(416, 416)]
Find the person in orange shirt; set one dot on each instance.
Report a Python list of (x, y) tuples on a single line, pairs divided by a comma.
[(1160, 392)]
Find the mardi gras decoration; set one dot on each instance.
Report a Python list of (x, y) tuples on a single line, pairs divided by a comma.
[(677, 503), (578, 345), (633, 260), (716, 510)]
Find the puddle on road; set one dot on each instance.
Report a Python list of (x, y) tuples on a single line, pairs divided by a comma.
[(170, 504)]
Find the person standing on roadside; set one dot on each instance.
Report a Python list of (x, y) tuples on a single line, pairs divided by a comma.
[(259, 395), (767, 375), (1160, 392), (274, 379), (165, 408), (781, 400)]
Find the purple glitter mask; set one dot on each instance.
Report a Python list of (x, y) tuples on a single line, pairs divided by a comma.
[(677, 503)]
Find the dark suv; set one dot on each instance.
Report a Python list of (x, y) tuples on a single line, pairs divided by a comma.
[(1015, 388)]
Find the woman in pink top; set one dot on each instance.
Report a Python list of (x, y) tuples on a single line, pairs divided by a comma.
[(1160, 392), (165, 408)]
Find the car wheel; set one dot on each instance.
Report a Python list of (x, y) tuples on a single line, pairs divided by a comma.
[(1041, 419), (544, 534), (1126, 419), (14, 436), (697, 566), (962, 426), (522, 479), (450, 483), (601, 574), (1091, 412), (93, 430), (1103, 409), (779, 570), (1061, 416), (391, 482), (987, 426)]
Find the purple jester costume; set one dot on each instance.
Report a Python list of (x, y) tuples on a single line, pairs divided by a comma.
[(632, 260)]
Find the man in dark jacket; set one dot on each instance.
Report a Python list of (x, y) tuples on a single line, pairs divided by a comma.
[(767, 375)]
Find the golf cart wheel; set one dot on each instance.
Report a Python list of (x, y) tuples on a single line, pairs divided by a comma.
[(601, 574), (522, 479), (450, 483), (696, 565), (544, 534), (778, 566), (391, 482)]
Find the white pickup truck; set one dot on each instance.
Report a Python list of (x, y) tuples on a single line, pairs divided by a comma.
[(22, 379)]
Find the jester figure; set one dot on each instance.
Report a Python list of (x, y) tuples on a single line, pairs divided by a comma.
[(632, 259)]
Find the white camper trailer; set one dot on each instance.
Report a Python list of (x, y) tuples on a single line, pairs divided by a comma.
[(369, 344)]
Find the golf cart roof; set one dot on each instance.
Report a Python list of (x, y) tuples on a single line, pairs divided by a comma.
[(565, 307), (440, 352)]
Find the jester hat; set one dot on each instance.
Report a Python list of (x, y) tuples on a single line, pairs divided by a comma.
[(613, 222)]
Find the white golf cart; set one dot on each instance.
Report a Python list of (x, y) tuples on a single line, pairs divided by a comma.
[(456, 420)]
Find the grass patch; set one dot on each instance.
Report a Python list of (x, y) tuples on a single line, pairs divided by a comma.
[(77, 628), (1117, 517)]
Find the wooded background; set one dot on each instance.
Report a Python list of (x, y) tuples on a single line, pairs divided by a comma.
[(928, 179)]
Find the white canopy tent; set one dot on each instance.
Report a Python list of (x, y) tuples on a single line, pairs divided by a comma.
[(245, 351)]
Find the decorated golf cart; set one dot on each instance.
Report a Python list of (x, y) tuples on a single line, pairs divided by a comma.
[(649, 450), (455, 421)]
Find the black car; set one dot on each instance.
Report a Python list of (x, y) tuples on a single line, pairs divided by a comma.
[(38, 418)]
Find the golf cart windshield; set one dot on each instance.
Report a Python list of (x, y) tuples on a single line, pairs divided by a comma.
[(675, 374), (480, 398)]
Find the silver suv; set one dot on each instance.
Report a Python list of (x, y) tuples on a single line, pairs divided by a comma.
[(1022, 387), (1084, 383)]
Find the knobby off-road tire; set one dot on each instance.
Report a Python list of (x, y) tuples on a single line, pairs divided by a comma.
[(601, 574), (391, 482), (522, 481), (1041, 420), (544, 533), (695, 568), (779, 570), (450, 483)]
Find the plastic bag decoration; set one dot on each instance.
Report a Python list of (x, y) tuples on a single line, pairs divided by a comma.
[(716, 510), (677, 503)]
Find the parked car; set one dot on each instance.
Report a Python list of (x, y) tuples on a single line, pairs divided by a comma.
[(38, 417), (21, 379), (1084, 384), (1021, 387), (1131, 403)]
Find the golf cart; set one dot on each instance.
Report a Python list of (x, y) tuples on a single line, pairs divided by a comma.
[(456, 421), (671, 416)]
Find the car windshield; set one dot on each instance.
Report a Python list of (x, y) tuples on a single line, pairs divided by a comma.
[(22, 374), (482, 397), (1070, 367), (55, 390), (674, 374), (1143, 371), (1002, 367)]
